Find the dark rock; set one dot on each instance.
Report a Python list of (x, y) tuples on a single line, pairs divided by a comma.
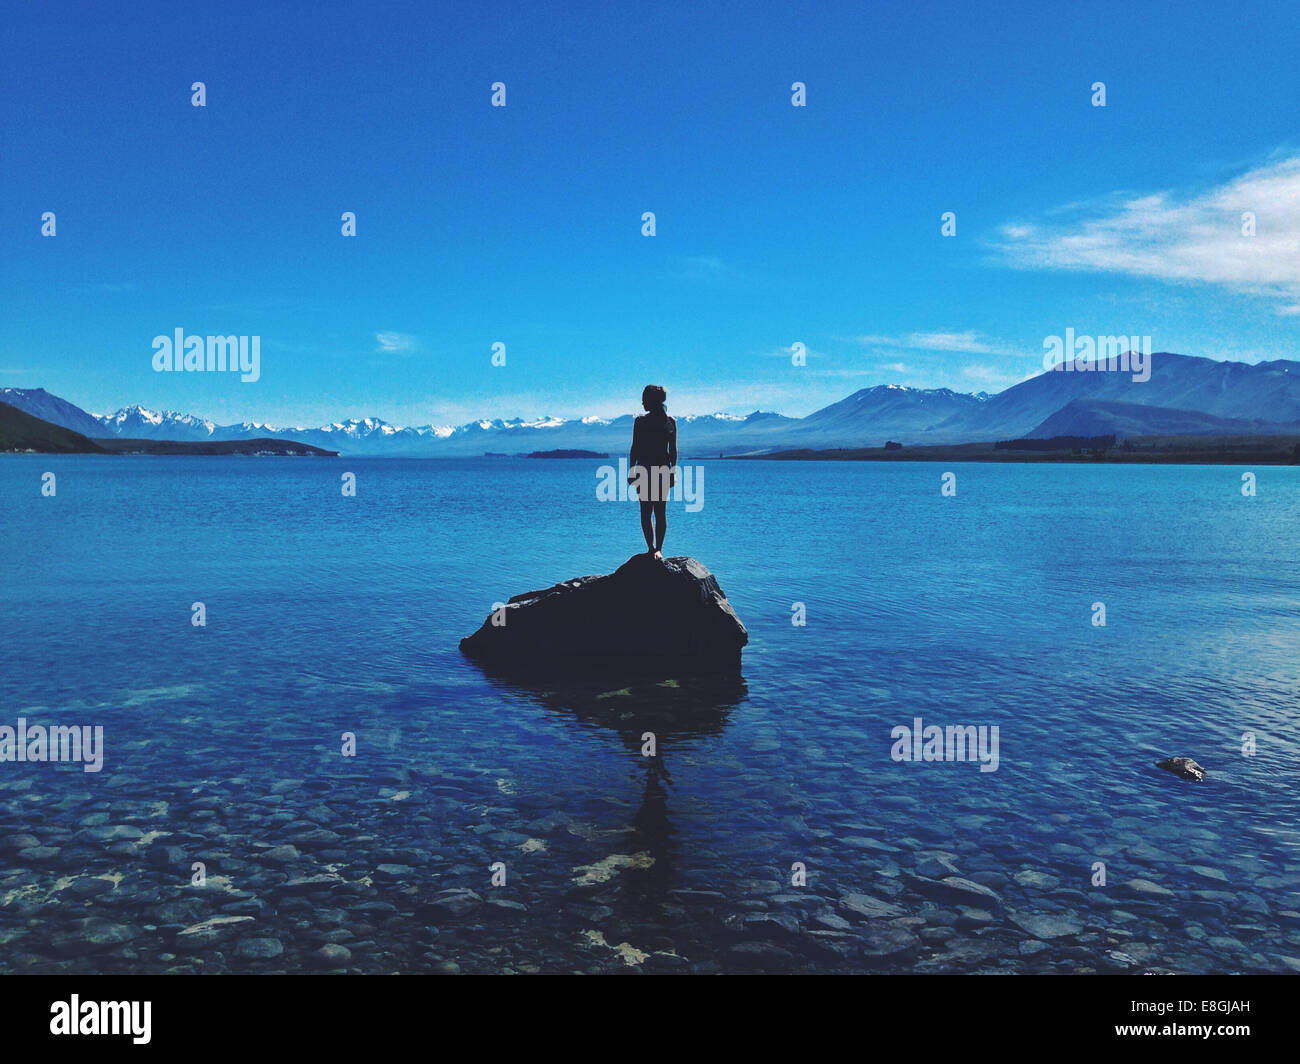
[(881, 941), (332, 955), (38, 854), (769, 924), (869, 908), (90, 934), (304, 884), (936, 867), (973, 919), (955, 890), (828, 921), (259, 948), (453, 903), (14, 843), (668, 616), (1045, 925), (761, 956), (1183, 767), (281, 854)]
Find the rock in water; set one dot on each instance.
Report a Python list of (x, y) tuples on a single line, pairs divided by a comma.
[(1183, 767), (648, 617)]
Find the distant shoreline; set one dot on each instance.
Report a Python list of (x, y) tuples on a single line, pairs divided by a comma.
[(1139, 450)]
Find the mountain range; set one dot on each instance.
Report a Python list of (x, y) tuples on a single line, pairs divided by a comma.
[(1185, 395)]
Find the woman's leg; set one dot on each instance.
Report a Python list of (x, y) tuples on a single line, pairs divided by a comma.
[(646, 508), (661, 522)]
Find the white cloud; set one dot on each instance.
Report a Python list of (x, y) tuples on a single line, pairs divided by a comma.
[(394, 341), (995, 378), (968, 342), (702, 268), (1179, 237)]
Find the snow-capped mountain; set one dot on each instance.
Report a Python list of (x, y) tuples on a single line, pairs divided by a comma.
[(1263, 391), (138, 423), (1209, 396), (374, 436), (896, 410)]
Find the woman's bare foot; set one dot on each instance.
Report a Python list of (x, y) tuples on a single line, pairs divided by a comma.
[(659, 555)]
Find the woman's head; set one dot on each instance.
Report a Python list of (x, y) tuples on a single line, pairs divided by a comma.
[(653, 397)]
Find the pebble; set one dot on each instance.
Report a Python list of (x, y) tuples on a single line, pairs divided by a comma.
[(332, 955), (259, 948)]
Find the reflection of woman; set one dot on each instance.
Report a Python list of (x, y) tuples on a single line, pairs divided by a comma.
[(652, 464)]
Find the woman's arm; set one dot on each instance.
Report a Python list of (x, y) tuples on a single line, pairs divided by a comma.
[(672, 452), (631, 455)]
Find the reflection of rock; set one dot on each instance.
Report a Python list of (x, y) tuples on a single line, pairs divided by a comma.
[(649, 617), (1183, 767), (676, 711)]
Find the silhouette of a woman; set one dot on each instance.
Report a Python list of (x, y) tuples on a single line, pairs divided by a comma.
[(652, 464)]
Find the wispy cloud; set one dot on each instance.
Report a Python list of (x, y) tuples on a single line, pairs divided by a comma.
[(968, 342), (996, 379), (394, 341), (709, 268), (787, 352), (1177, 236), (108, 287)]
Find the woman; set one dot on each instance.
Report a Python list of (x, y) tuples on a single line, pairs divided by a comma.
[(652, 464)]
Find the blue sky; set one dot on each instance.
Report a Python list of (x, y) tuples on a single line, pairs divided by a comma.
[(522, 224)]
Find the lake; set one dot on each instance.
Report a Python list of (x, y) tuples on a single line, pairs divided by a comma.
[(775, 832)]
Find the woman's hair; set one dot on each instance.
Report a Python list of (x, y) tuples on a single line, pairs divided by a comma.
[(655, 396)]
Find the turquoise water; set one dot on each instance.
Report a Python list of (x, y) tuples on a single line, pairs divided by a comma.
[(327, 614)]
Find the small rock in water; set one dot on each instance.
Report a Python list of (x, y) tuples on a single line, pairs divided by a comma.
[(956, 890), (880, 941), (1045, 925), (210, 931), (259, 948), (453, 903), (38, 854), (14, 843), (936, 868), (90, 934), (868, 907), (332, 955), (761, 955), (1183, 767), (1145, 886), (1038, 880), (971, 919), (827, 920)]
